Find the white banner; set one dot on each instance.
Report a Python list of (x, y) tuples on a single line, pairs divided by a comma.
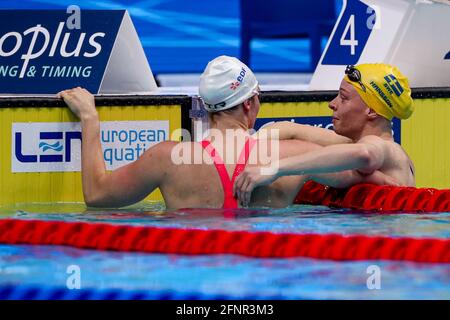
[(56, 146)]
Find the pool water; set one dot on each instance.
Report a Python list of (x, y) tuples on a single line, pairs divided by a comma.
[(230, 276)]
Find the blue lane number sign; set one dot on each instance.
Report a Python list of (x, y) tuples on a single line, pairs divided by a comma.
[(352, 33)]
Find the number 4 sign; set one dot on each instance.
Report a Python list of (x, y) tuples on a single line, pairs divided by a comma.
[(350, 42), (396, 32), (354, 29)]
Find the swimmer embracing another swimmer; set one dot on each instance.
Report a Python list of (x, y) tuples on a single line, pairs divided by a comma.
[(230, 92), (370, 96)]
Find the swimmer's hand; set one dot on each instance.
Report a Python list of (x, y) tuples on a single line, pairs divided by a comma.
[(80, 101), (251, 178)]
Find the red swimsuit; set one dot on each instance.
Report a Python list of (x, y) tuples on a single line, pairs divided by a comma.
[(229, 201)]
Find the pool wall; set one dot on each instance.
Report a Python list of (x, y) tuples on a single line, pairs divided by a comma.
[(20, 187), (424, 136)]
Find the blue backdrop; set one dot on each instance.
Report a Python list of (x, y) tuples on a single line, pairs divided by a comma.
[(181, 36)]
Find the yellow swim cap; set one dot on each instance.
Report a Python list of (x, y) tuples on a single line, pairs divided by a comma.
[(383, 88)]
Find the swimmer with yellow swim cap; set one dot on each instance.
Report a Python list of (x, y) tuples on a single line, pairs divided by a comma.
[(370, 96)]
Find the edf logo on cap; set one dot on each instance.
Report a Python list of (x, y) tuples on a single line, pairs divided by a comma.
[(239, 80), (226, 83)]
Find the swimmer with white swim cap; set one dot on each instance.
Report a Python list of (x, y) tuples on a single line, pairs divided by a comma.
[(230, 92)]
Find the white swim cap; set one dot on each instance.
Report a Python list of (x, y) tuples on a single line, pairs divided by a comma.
[(225, 83)]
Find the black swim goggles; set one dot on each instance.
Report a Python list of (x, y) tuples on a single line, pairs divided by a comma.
[(354, 75)]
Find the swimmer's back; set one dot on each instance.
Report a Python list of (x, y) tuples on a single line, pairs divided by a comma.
[(199, 185)]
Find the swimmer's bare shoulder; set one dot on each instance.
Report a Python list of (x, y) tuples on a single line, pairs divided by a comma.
[(395, 161), (389, 149), (170, 156), (153, 163)]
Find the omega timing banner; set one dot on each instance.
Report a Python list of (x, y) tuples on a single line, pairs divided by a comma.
[(46, 51)]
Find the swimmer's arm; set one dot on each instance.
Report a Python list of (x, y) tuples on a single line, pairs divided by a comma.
[(365, 156), (121, 187), (126, 185), (348, 178), (290, 130)]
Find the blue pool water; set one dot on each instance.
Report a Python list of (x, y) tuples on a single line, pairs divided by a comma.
[(230, 276)]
